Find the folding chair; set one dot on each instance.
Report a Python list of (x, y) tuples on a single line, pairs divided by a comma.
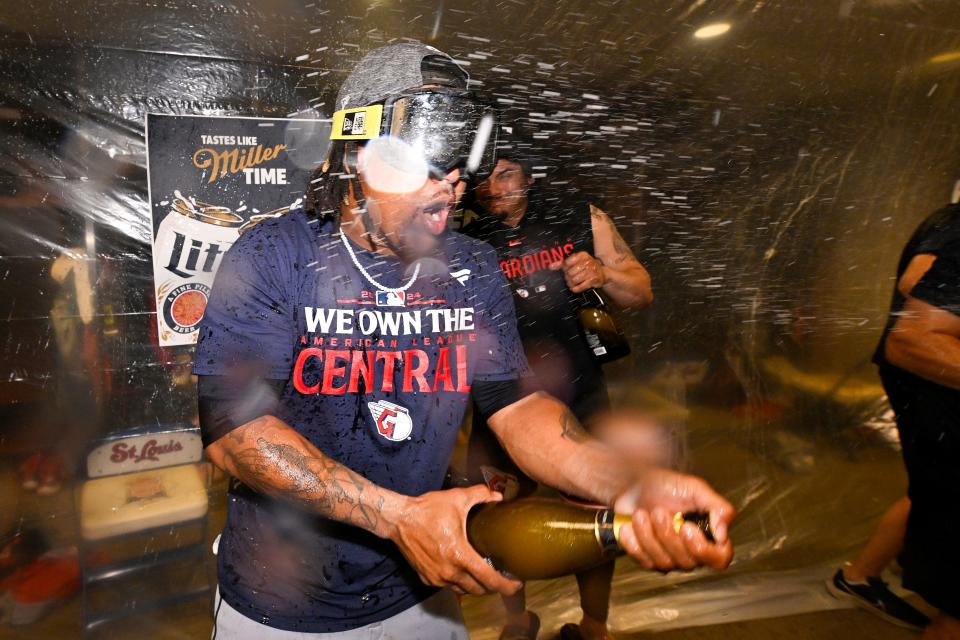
[(142, 483)]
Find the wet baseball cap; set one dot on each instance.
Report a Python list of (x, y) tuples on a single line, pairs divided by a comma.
[(413, 101), (393, 69)]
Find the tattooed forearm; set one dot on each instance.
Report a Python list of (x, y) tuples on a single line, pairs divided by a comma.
[(572, 429), (271, 458)]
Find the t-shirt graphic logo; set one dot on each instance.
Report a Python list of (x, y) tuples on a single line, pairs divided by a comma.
[(393, 421), (461, 276), (391, 298)]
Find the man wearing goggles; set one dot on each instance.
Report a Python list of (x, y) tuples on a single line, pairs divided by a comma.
[(336, 358)]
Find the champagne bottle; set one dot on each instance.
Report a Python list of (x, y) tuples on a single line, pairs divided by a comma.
[(604, 337), (539, 539)]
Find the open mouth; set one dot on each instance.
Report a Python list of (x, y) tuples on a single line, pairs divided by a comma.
[(436, 216)]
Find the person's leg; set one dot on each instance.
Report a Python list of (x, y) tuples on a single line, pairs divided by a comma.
[(520, 623), (436, 617), (594, 587), (485, 452), (591, 403), (860, 583), (884, 545), (931, 558), (230, 624)]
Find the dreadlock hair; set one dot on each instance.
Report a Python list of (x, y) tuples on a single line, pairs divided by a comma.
[(327, 189)]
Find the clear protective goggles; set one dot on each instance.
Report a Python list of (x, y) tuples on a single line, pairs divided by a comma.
[(445, 128)]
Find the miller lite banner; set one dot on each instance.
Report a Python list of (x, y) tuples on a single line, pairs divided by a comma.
[(210, 178)]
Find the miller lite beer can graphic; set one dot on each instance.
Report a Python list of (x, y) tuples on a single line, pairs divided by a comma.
[(211, 179), (187, 250)]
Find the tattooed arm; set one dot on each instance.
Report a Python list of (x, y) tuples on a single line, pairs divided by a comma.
[(625, 279), (548, 443), (270, 457)]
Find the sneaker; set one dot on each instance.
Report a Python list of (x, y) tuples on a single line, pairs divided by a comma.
[(875, 597), (38, 587)]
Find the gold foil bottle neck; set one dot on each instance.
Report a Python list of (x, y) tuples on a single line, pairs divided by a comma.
[(619, 520), (607, 526)]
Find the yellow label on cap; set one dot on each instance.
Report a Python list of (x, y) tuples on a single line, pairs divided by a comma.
[(362, 123)]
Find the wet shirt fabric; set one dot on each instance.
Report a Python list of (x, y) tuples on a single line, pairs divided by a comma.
[(378, 381), (547, 311)]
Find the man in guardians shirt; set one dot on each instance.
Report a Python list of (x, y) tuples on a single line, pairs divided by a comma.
[(551, 250), (336, 358)]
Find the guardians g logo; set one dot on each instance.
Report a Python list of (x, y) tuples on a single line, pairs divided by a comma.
[(392, 421)]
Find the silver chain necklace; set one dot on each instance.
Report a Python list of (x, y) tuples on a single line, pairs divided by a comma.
[(363, 272)]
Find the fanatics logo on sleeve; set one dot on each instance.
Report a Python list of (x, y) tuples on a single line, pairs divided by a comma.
[(461, 276), (393, 422)]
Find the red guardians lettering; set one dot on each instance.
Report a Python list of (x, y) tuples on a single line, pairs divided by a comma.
[(535, 261)]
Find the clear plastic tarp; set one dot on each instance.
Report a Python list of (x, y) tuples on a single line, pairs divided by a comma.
[(766, 171)]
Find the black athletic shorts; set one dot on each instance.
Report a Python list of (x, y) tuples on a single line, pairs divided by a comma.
[(928, 419)]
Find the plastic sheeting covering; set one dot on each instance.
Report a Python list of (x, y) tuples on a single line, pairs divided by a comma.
[(766, 177)]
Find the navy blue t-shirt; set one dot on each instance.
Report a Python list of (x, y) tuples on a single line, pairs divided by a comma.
[(377, 381)]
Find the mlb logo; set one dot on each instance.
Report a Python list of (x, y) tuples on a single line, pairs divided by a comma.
[(391, 298)]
